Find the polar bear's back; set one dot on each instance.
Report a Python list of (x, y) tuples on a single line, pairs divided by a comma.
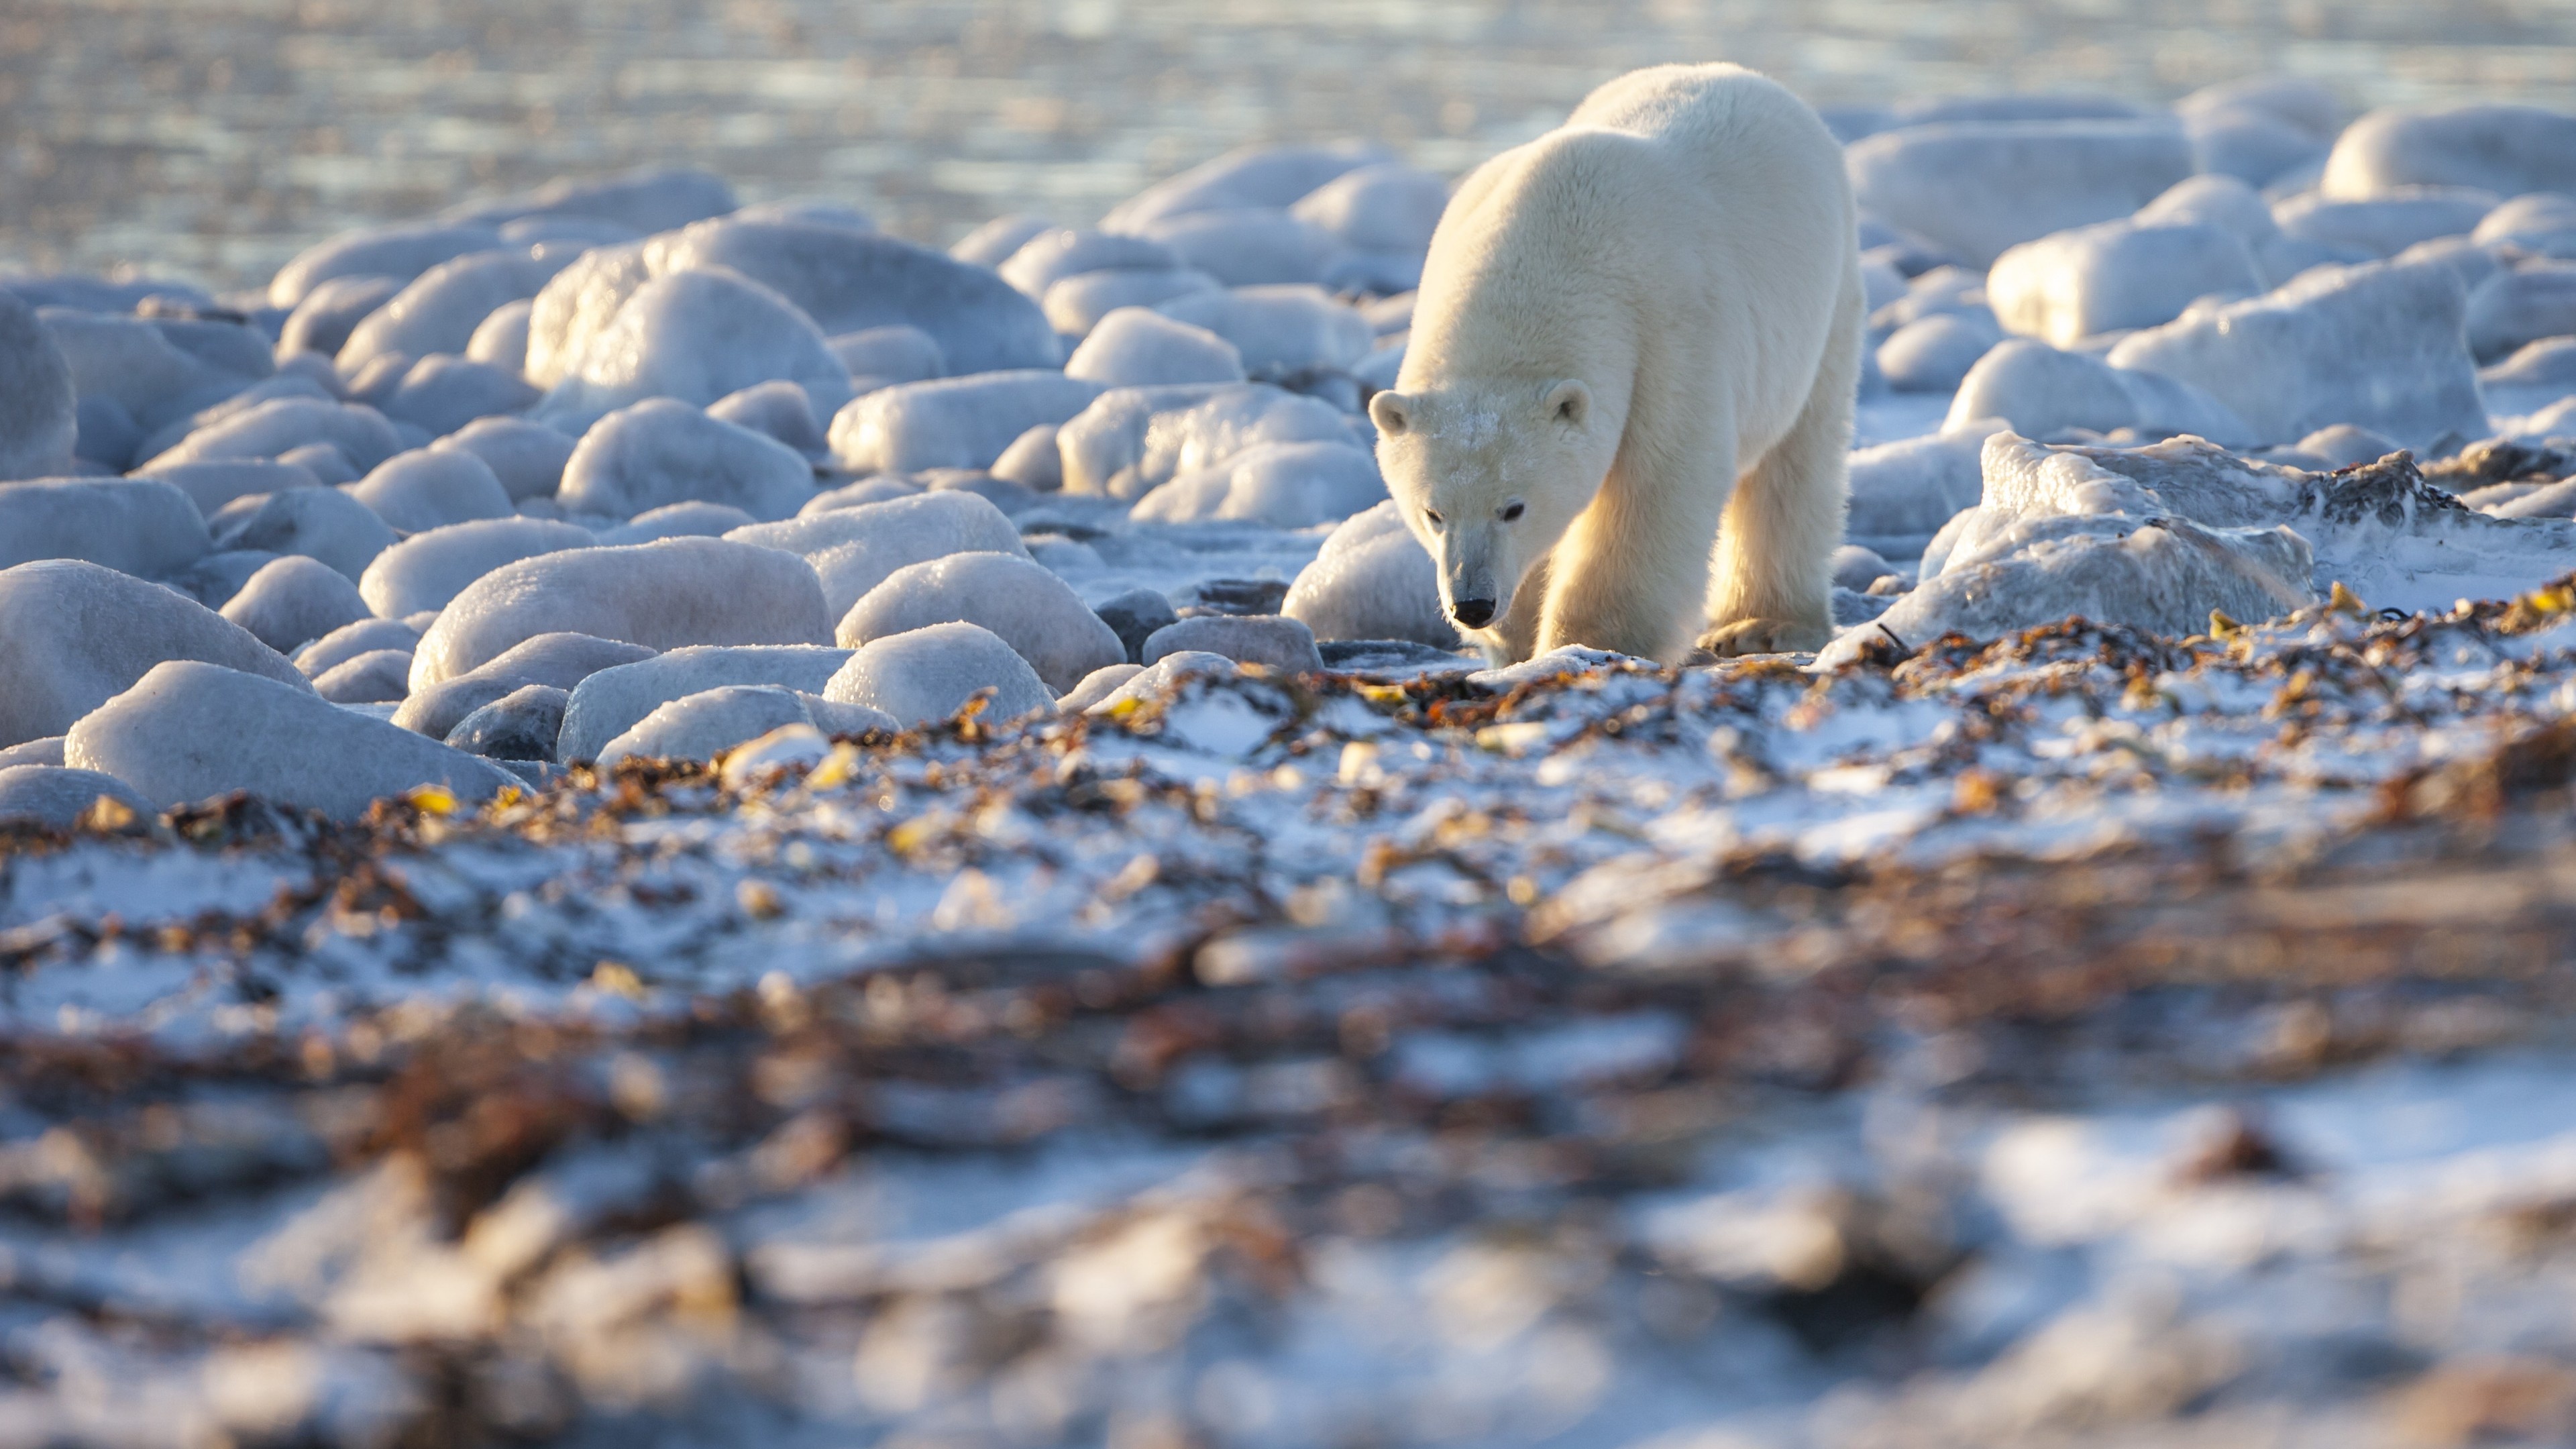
[(1749, 140)]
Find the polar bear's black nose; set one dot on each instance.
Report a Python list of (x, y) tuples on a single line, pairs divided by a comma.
[(1474, 613)]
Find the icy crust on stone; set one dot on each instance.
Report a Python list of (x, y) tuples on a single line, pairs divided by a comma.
[(1132, 440), (1018, 600), (73, 633), (429, 569), (925, 675), (695, 336), (608, 702), (664, 452), (962, 422), (854, 549)]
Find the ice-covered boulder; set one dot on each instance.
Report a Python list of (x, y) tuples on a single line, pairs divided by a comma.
[(694, 336), (2383, 226), (1055, 254), (139, 365), (1934, 353), (2261, 127), (322, 523), (2505, 149), (439, 309), (39, 414), (648, 199), (1076, 305), (2042, 391), (883, 356), (1132, 440), (322, 322), (137, 525), (50, 795), (1272, 641), (609, 702), (1902, 492), (189, 730), (778, 409), (2379, 345), (1250, 176), (169, 435), (501, 340), (521, 725), (1371, 580), (430, 488), (2114, 277), (704, 725), (269, 430), (219, 575), (1161, 675), (73, 633), (927, 675), (1015, 598), (442, 393), (956, 422), (365, 636), (1390, 207), (679, 520), (1285, 485), (379, 676), (1280, 330), (663, 595), (2542, 223), (396, 252), (1134, 615), (527, 457), (1032, 461), (293, 601), (854, 549), (1138, 347), (664, 451), (432, 567), (556, 661), (2521, 305), (992, 244), (1248, 246), (1976, 188), (1096, 686)]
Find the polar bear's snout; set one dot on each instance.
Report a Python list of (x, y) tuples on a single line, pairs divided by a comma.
[(1471, 574), (1472, 613)]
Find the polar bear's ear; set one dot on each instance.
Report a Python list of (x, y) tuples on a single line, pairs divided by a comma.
[(1569, 402), (1392, 412)]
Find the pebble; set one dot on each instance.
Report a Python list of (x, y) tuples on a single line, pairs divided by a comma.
[(189, 730), (663, 595), (1273, 641), (1371, 580), (927, 675), (39, 413), (665, 451), (1012, 596), (57, 798), (520, 725), (558, 661), (138, 525), (1138, 347), (292, 601), (428, 488), (380, 676), (430, 568), (322, 523), (527, 457), (958, 422), (608, 703)]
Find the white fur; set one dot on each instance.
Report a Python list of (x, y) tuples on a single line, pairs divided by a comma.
[(1633, 328)]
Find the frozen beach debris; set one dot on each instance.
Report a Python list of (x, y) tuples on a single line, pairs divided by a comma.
[(2378, 345), (2115, 277), (322, 523), (927, 675), (527, 457), (140, 526), (439, 310), (854, 549), (293, 601), (2509, 150), (1139, 347), (956, 422), (1018, 600), (54, 796), (663, 595), (691, 335), (1283, 485), (1978, 188), (190, 730), (39, 412), (430, 568), (1273, 641), (1372, 580), (609, 702), (556, 661), (664, 451), (428, 488), (1131, 441)]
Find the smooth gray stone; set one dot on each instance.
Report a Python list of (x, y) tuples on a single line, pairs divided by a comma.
[(73, 633), (293, 601), (322, 523), (611, 701), (378, 677), (39, 412), (558, 661), (520, 725), (135, 525), (1134, 616), (1272, 640), (58, 797)]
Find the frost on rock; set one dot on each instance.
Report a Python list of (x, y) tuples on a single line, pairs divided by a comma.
[(439, 310), (430, 568), (608, 702), (399, 253), (1248, 246), (706, 724), (1273, 641), (1372, 580), (1284, 485), (323, 523), (2383, 226), (430, 488), (136, 525), (694, 336), (661, 595), (1902, 492), (557, 661), (679, 520), (1978, 188), (1133, 440), (854, 549), (2044, 391), (1078, 304), (1138, 347), (53, 796), (73, 633), (1018, 600), (442, 393), (1279, 331), (956, 422), (662, 452), (2114, 277), (2505, 149), (39, 413), (929, 674), (293, 601)]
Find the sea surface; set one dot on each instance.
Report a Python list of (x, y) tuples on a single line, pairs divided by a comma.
[(212, 139)]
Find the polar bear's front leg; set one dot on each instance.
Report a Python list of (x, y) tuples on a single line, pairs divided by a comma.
[(1773, 590), (1631, 573)]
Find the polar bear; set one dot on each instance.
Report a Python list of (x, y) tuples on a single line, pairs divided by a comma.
[(1630, 330)]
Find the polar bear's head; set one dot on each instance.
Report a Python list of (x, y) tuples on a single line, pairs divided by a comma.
[(1489, 477)]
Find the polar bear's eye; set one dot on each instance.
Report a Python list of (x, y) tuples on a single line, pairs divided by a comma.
[(1434, 515), (1511, 513)]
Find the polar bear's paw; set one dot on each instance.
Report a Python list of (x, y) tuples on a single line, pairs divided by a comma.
[(1765, 636)]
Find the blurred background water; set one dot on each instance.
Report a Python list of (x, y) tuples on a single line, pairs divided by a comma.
[(212, 139)]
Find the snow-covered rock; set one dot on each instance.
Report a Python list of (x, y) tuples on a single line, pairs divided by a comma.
[(1280, 330), (2505, 149), (2259, 128), (293, 601), (39, 414), (1250, 176), (1284, 485), (556, 661), (1132, 440), (665, 451), (694, 336), (1096, 686), (704, 725), (679, 520), (322, 523), (1934, 353), (365, 636), (379, 676), (430, 488), (1248, 246), (1162, 674), (52, 796), (992, 244), (2383, 226), (606, 704), (527, 457), (501, 340), (140, 365), (442, 393), (1389, 207), (521, 725), (190, 730), (1272, 641), (2543, 223), (322, 322), (957, 422), (1032, 461), (1138, 347), (2521, 305), (1012, 596), (2042, 391), (856, 548), (73, 633), (927, 675), (1051, 256), (2115, 276), (430, 568), (1076, 305), (439, 309), (1976, 188), (2378, 345), (777, 409), (396, 252), (649, 199), (1371, 580), (1902, 492), (883, 356), (663, 595), (360, 432), (139, 525)]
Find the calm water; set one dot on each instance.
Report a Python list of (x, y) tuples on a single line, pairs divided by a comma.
[(214, 138)]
